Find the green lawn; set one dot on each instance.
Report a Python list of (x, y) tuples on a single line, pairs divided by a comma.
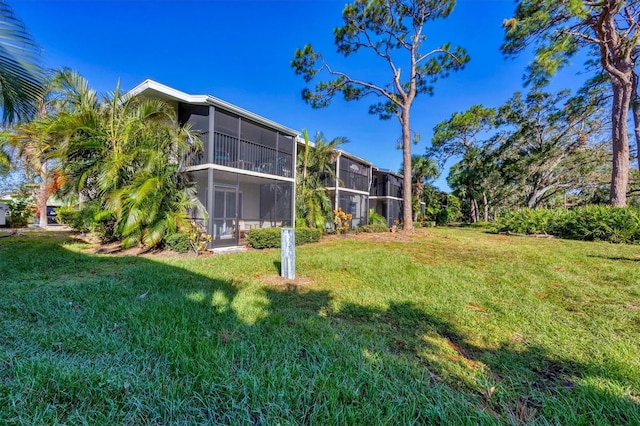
[(454, 327)]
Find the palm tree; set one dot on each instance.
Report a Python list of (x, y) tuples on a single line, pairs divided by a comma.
[(423, 170), (5, 157), (22, 80), (317, 163), (154, 196), (38, 141), (126, 155), (36, 145)]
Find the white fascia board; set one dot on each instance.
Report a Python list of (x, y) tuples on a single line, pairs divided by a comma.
[(342, 152), (150, 87), (355, 157), (169, 92), (352, 191), (384, 197), (238, 171), (388, 171)]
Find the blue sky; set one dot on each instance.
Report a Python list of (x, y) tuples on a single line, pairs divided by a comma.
[(240, 51)]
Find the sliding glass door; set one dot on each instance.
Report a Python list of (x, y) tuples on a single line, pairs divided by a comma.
[(226, 205)]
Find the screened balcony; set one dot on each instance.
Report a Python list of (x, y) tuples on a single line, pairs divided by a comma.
[(385, 184), (237, 142), (352, 175)]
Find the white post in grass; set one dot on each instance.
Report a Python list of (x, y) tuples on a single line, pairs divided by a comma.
[(288, 253)]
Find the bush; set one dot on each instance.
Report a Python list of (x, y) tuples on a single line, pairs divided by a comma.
[(83, 219), (602, 223), (307, 235), (270, 237), (22, 209), (532, 221), (69, 216), (376, 218), (178, 242), (450, 212), (591, 223), (373, 228)]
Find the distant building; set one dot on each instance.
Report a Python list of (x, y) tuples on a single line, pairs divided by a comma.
[(385, 195), (350, 189), (3, 214)]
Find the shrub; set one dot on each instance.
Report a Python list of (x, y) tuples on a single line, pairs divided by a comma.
[(532, 221), (178, 242), (307, 235), (602, 223), (270, 237), (198, 238), (69, 216), (22, 209), (590, 223), (92, 217), (450, 212), (373, 228), (264, 238), (376, 218), (89, 217), (341, 220)]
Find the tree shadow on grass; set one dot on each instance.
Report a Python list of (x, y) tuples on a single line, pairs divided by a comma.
[(517, 382), (622, 258), (106, 339), (103, 339)]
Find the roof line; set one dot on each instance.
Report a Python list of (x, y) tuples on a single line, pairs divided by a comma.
[(178, 95)]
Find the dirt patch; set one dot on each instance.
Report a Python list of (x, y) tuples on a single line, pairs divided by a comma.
[(278, 281), (115, 249), (383, 237)]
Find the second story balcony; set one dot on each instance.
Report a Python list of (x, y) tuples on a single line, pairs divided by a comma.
[(231, 151), (351, 173), (386, 184)]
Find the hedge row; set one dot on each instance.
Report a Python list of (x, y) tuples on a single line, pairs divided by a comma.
[(591, 223), (270, 237)]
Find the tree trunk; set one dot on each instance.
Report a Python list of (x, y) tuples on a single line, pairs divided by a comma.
[(619, 116), (474, 210), (407, 211), (486, 206), (477, 218), (43, 196), (635, 109)]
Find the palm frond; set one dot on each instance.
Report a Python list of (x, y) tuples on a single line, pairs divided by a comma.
[(21, 75)]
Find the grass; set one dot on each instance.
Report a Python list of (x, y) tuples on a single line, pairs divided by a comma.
[(454, 327)]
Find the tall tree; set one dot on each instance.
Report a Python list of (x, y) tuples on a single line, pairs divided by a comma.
[(36, 145), (551, 143), (635, 111), (38, 141), (560, 28), (457, 136), (21, 76), (393, 30), (316, 166)]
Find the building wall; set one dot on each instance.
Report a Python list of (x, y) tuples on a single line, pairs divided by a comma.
[(386, 187), (3, 212)]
